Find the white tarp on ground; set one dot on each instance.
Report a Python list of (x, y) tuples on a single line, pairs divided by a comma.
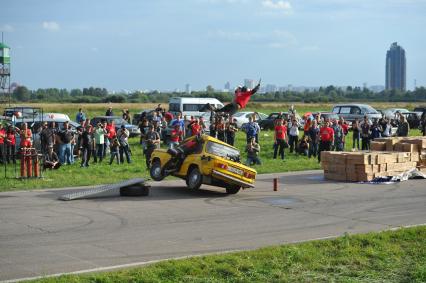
[(410, 174)]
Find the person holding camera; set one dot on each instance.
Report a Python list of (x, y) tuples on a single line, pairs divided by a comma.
[(123, 139), (253, 150), (99, 135), (152, 143)]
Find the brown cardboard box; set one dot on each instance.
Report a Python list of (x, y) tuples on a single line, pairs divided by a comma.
[(378, 146)]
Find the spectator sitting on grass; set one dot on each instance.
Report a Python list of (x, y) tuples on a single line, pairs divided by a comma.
[(114, 151), (303, 147), (253, 150), (51, 160)]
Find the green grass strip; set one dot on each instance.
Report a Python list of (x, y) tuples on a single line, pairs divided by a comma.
[(391, 256)]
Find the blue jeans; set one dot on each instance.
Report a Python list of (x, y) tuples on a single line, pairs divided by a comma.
[(313, 149), (253, 160), (100, 151), (65, 153), (125, 149)]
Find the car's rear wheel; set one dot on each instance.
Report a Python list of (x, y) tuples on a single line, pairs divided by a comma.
[(155, 171), (233, 189), (194, 179)]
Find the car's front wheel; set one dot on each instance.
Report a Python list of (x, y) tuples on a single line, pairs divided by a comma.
[(194, 179), (155, 171), (231, 190)]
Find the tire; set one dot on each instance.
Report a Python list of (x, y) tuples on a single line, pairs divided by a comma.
[(233, 189), (155, 171), (134, 191), (194, 179)]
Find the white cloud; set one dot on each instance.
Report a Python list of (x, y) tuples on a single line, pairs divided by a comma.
[(6, 28), (277, 5), (51, 26)]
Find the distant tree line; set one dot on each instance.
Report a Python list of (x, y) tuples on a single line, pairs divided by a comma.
[(323, 94)]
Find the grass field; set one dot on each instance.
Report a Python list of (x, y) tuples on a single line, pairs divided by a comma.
[(103, 173), (392, 256)]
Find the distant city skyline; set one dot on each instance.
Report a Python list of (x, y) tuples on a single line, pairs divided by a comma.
[(163, 45)]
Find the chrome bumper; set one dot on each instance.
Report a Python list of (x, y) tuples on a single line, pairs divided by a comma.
[(232, 179)]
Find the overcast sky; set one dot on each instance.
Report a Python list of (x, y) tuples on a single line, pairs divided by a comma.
[(159, 44)]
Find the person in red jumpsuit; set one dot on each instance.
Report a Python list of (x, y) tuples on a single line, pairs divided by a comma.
[(241, 98)]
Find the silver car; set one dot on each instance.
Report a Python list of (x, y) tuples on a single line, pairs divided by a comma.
[(351, 111)]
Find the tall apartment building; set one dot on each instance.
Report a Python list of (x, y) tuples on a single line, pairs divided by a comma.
[(396, 68)]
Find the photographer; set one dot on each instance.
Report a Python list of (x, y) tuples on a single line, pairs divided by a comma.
[(123, 138), (152, 142), (99, 135)]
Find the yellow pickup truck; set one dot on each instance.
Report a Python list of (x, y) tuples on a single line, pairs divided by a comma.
[(211, 162)]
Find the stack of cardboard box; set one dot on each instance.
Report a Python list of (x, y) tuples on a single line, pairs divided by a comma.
[(415, 145), (365, 166)]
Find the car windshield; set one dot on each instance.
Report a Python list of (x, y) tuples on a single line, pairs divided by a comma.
[(120, 121), (370, 110), (263, 116), (223, 151), (239, 114)]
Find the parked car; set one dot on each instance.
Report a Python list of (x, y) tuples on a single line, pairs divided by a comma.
[(268, 123), (191, 106), (214, 163), (413, 119), (351, 111), (22, 111), (118, 121), (420, 109), (243, 117), (390, 113), (137, 117), (326, 115)]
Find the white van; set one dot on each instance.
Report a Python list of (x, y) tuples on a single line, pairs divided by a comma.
[(190, 106)]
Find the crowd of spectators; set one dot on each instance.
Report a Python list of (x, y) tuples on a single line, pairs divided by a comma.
[(92, 143)]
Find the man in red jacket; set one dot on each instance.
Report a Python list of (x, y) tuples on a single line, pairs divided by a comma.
[(241, 98)]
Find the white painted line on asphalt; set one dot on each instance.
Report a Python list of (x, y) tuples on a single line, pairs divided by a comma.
[(142, 263)]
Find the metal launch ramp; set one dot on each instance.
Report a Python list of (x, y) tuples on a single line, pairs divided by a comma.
[(135, 185)]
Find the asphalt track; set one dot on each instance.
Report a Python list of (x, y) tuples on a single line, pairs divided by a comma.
[(40, 235)]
